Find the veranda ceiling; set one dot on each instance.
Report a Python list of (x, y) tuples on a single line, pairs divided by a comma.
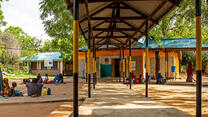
[(114, 22)]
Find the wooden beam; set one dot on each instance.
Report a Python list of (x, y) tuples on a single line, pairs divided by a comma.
[(149, 17), (88, 18), (110, 25), (93, 27), (107, 37), (104, 37), (82, 32), (175, 2), (109, 43), (161, 49), (161, 16), (114, 30), (99, 33), (132, 26), (121, 7), (118, 41), (93, 1), (99, 41), (138, 12), (119, 18), (96, 12)]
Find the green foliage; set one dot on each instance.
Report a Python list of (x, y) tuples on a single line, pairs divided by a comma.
[(29, 45), (63, 45), (56, 18), (10, 45), (3, 55), (183, 68), (58, 23), (2, 22), (180, 23), (190, 56)]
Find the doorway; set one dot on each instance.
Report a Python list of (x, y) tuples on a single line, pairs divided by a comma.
[(117, 67)]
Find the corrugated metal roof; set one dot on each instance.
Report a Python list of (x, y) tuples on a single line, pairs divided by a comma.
[(55, 56), (182, 43), (169, 43)]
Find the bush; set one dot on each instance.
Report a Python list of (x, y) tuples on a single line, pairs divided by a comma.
[(183, 68)]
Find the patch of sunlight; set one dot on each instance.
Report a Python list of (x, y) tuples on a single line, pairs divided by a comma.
[(85, 110), (144, 102), (100, 103), (67, 106), (132, 106), (204, 89), (60, 112)]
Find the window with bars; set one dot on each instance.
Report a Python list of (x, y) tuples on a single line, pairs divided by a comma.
[(34, 65), (55, 65)]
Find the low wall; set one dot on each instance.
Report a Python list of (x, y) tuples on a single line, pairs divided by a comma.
[(49, 72)]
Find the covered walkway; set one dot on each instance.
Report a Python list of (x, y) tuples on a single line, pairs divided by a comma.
[(111, 99), (110, 24)]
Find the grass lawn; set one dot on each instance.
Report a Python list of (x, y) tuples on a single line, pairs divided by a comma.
[(29, 76), (20, 76)]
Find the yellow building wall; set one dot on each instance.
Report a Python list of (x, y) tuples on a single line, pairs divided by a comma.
[(175, 56), (135, 52)]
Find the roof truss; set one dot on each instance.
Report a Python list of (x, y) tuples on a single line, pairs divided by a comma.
[(130, 31)]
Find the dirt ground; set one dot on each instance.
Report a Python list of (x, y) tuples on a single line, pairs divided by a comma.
[(42, 109), (181, 97)]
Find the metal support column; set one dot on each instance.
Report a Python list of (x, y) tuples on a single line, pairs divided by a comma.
[(75, 57), (130, 62), (120, 67), (123, 67), (166, 64), (157, 61), (198, 58), (99, 68), (94, 72), (86, 66), (89, 70), (147, 62), (95, 67)]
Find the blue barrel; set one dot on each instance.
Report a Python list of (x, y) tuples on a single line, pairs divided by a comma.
[(173, 68), (132, 81)]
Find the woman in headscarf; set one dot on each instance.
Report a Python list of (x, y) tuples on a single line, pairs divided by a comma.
[(39, 79), (6, 86), (61, 78), (56, 79), (159, 78), (189, 72), (45, 81)]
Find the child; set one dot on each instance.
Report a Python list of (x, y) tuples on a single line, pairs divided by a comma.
[(39, 79), (14, 84), (45, 81)]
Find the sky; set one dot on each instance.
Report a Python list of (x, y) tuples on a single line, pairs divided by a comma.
[(26, 15)]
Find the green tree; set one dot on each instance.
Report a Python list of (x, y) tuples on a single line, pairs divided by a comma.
[(2, 22), (58, 23), (29, 45), (180, 23)]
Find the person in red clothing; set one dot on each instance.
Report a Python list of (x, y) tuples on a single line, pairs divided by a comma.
[(189, 73)]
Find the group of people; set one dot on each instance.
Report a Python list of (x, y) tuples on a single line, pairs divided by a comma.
[(5, 89), (34, 88)]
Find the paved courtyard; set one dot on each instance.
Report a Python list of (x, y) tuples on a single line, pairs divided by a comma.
[(116, 100)]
